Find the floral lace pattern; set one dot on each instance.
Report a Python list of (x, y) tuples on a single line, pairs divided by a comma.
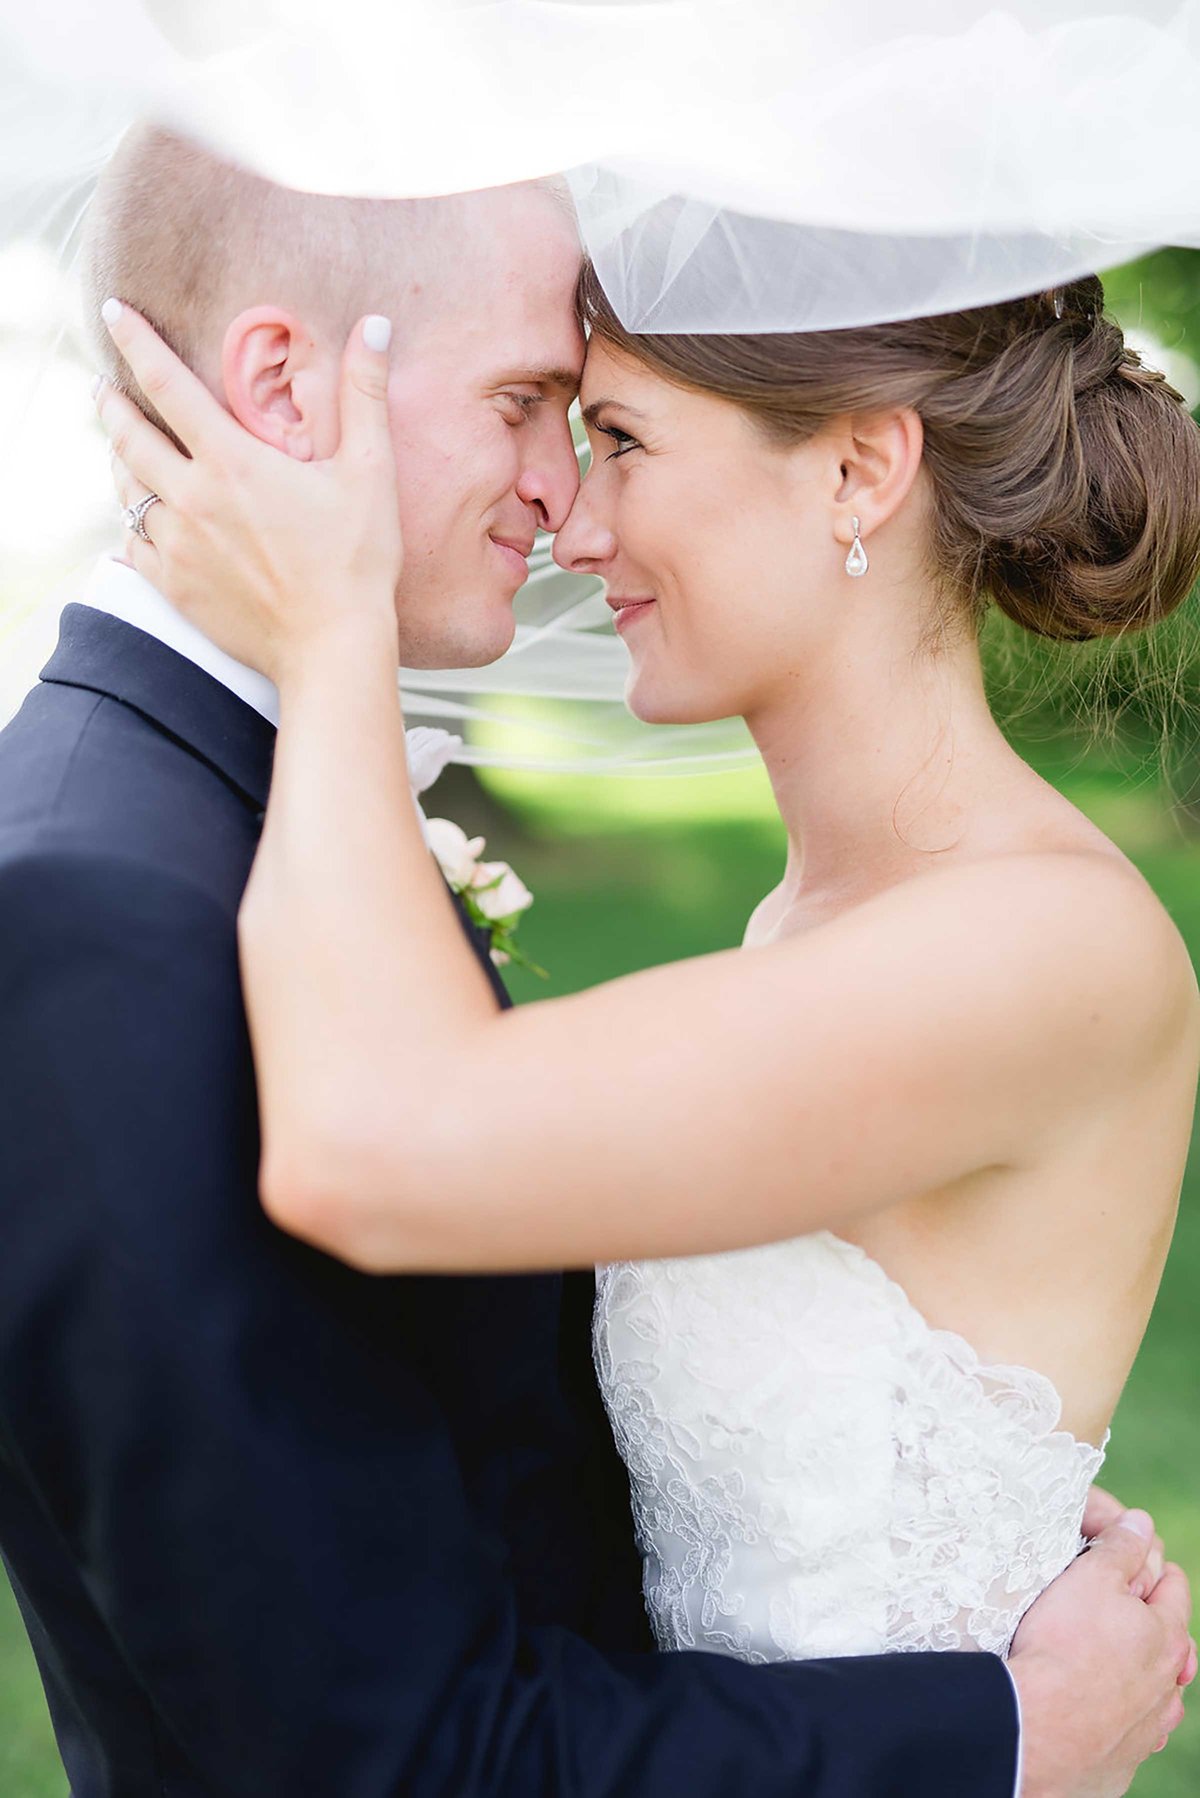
[(815, 1470)]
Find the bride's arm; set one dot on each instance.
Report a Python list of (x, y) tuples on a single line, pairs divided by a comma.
[(939, 1029), (713, 1103)]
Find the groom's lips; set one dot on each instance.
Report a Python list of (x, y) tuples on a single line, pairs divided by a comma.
[(516, 552)]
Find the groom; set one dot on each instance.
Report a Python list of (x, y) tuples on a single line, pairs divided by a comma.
[(277, 1528)]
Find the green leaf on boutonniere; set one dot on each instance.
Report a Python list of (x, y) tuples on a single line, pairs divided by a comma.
[(495, 899)]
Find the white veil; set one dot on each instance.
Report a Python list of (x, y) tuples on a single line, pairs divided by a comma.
[(737, 165)]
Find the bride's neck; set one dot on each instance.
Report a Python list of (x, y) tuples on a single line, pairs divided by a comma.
[(880, 764)]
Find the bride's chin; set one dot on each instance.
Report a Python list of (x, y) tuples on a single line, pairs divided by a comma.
[(659, 703)]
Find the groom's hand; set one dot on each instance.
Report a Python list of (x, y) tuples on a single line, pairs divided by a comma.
[(1101, 1510), (1099, 1670)]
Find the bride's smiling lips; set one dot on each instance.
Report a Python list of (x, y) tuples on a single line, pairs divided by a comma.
[(626, 607)]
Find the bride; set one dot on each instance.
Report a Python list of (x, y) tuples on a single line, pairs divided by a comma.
[(881, 1201)]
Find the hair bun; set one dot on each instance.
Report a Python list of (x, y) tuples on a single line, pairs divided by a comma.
[(1124, 547)]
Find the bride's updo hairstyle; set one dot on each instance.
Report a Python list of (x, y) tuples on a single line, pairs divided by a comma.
[(1065, 473)]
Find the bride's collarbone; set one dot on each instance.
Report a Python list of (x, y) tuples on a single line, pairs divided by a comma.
[(777, 918), (764, 919)]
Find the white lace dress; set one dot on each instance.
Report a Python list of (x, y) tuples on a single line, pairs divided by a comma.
[(815, 1470)]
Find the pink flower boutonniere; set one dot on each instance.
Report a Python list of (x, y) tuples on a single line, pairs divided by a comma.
[(494, 896), (495, 899)]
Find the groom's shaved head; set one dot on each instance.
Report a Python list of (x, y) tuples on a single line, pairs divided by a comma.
[(191, 241), (257, 286)]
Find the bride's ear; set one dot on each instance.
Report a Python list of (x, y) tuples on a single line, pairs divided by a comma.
[(278, 385), (880, 456)]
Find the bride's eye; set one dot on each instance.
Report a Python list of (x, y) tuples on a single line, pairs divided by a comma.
[(622, 439)]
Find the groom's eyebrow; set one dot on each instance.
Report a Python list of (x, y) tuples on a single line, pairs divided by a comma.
[(567, 379)]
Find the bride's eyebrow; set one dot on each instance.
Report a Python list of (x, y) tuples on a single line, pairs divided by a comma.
[(592, 412)]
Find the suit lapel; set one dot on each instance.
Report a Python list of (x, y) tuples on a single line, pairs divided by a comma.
[(105, 655)]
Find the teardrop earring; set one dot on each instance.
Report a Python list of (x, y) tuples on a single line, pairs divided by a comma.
[(856, 560)]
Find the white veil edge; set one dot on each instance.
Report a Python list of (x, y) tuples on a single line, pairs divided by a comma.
[(736, 165)]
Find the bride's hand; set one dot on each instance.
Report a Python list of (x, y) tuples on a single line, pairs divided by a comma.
[(264, 553)]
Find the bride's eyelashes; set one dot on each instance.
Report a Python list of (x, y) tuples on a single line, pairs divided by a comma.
[(622, 439)]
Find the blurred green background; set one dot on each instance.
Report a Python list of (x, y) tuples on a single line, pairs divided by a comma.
[(635, 872)]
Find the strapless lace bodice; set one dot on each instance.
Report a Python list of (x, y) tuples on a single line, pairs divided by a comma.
[(815, 1470)]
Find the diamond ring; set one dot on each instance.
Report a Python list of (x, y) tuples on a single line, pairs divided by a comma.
[(134, 516)]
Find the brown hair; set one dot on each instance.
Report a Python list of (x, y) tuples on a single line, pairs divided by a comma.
[(1065, 473)]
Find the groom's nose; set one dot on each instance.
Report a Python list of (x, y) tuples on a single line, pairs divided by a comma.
[(550, 480)]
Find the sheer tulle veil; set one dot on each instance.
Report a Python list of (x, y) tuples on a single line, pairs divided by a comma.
[(736, 165)]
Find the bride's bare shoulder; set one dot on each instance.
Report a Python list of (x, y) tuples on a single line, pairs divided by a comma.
[(1084, 914), (1084, 889), (1061, 942)]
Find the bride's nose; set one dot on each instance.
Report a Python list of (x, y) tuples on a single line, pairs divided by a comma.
[(584, 544)]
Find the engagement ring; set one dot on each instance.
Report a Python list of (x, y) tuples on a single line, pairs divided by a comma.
[(134, 516)]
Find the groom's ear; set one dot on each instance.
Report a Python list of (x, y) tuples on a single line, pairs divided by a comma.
[(278, 385)]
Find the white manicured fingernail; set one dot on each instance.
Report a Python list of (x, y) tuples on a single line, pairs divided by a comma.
[(1139, 1522), (111, 311), (377, 332), (97, 384)]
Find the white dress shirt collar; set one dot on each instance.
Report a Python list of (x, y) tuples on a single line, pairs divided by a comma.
[(116, 588)]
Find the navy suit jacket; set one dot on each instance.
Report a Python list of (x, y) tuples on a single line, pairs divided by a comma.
[(278, 1528)]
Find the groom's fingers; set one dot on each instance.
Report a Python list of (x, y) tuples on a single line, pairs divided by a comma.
[(170, 386), (1152, 1570), (1172, 1599), (1101, 1510), (366, 433), (140, 446), (1124, 1545)]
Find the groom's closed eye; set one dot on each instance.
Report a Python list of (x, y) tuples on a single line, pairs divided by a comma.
[(551, 382), (526, 404)]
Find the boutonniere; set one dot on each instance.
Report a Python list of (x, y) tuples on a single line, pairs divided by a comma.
[(494, 898)]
